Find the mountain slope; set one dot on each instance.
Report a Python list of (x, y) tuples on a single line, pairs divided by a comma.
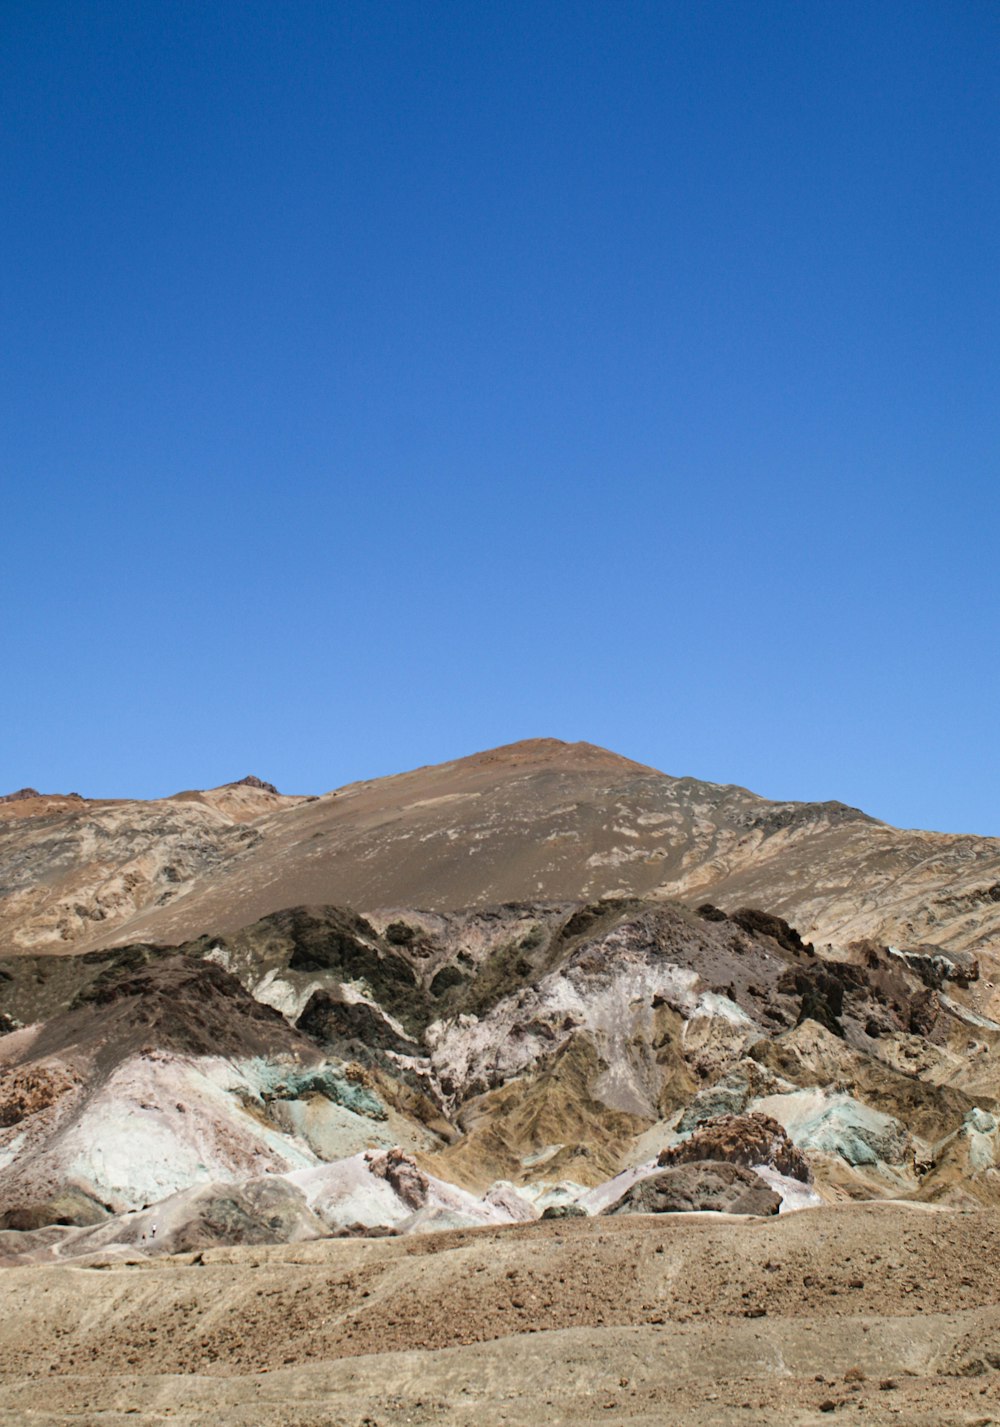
[(250, 1086), (525, 1003), (540, 820)]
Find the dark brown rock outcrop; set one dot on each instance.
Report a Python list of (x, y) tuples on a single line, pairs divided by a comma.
[(703, 1184), (353, 1027), (154, 1000), (252, 781), (24, 1091), (742, 1140), (69, 1206), (759, 923), (401, 1171)]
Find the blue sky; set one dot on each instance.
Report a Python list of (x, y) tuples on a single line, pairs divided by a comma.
[(382, 382)]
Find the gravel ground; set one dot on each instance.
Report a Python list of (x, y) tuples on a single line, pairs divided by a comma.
[(869, 1313)]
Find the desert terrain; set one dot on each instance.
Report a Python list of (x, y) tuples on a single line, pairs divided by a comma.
[(864, 1313), (535, 1087)]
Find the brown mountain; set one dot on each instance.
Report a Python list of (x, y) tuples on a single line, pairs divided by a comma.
[(543, 982), (539, 820)]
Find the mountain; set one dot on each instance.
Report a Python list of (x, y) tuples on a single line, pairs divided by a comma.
[(533, 821), (542, 991)]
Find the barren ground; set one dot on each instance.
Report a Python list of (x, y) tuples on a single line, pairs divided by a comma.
[(873, 1313)]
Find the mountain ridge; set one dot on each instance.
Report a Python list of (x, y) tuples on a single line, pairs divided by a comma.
[(536, 819)]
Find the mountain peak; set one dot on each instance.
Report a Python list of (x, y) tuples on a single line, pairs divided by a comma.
[(252, 781), (554, 750)]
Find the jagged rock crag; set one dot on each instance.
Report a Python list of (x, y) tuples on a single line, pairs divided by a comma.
[(745, 1140)]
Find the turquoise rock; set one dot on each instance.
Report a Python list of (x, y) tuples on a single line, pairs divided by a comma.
[(291, 1082)]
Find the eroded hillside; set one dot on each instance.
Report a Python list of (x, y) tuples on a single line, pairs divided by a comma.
[(535, 821), (320, 1071), (415, 1070)]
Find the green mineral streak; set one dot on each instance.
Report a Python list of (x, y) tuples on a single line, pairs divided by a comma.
[(290, 1082), (858, 1134), (980, 1128)]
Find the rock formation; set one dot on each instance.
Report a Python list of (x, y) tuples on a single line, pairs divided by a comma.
[(724, 1188), (600, 1041)]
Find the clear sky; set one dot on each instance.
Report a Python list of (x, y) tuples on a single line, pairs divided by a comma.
[(385, 381)]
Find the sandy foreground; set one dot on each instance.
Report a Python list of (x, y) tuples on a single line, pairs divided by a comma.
[(874, 1313)]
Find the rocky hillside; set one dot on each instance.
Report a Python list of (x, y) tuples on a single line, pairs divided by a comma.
[(542, 980), (73, 871), (535, 821), (320, 1071)]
